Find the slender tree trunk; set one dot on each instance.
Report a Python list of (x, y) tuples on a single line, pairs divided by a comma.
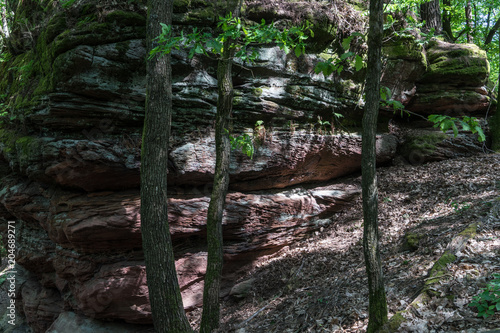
[(211, 308), (492, 32), (430, 12), (164, 293), (468, 21), (447, 20), (377, 299)]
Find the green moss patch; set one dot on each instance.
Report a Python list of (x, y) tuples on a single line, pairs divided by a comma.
[(440, 267), (424, 142), (406, 48), (393, 324), (456, 63), (411, 241), (123, 18)]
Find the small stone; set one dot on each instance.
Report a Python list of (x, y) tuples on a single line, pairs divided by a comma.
[(241, 290)]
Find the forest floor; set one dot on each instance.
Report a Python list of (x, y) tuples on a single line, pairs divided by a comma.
[(320, 284)]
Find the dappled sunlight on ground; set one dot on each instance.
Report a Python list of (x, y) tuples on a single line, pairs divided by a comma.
[(319, 284)]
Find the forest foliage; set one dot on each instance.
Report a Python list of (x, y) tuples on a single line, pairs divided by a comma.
[(481, 28)]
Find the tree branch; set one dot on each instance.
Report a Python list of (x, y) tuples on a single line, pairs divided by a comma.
[(492, 32)]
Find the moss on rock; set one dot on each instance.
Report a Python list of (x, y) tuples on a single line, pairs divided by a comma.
[(126, 18), (394, 323), (440, 267), (411, 241), (405, 48), (424, 142), (456, 63)]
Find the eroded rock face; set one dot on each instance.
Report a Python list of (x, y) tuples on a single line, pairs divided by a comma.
[(72, 322), (454, 81), (41, 305), (426, 145), (281, 160), (91, 241), (71, 165)]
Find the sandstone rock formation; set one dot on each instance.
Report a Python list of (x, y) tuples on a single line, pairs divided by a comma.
[(71, 157)]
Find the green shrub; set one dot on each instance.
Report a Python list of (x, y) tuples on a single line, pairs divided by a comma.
[(488, 301)]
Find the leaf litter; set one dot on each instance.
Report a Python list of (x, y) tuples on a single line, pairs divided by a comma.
[(320, 284)]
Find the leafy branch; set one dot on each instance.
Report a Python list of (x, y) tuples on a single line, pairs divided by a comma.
[(243, 37), (468, 124), (337, 64)]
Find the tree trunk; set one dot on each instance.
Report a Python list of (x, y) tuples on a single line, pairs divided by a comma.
[(447, 20), (164, 293), (468, 21), (377, 299), (492, 32), (430, 12), (211, 308)]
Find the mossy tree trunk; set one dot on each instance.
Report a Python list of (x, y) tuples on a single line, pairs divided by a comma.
[(211, 308), (430, 12), (164, 293), (377, 299)]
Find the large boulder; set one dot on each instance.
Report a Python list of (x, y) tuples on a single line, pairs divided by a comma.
[(454, 83)]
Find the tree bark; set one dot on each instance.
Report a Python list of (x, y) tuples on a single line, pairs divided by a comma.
[(164, 293), (492, 32), (211, 308), (430, 12), (468, 21), (447, 20), (377, 299)]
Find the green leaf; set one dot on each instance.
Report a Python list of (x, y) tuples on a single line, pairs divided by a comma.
[(455, 129), (359, 63), (298, 51), (346, 55), (481, 135), (465, 126), (198, 49), (346, 42)]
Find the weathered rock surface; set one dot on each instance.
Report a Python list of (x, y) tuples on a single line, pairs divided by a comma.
[(281, 160), (86, 235), (72, 322), (41, 305), (454, 81), (426, 145)]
